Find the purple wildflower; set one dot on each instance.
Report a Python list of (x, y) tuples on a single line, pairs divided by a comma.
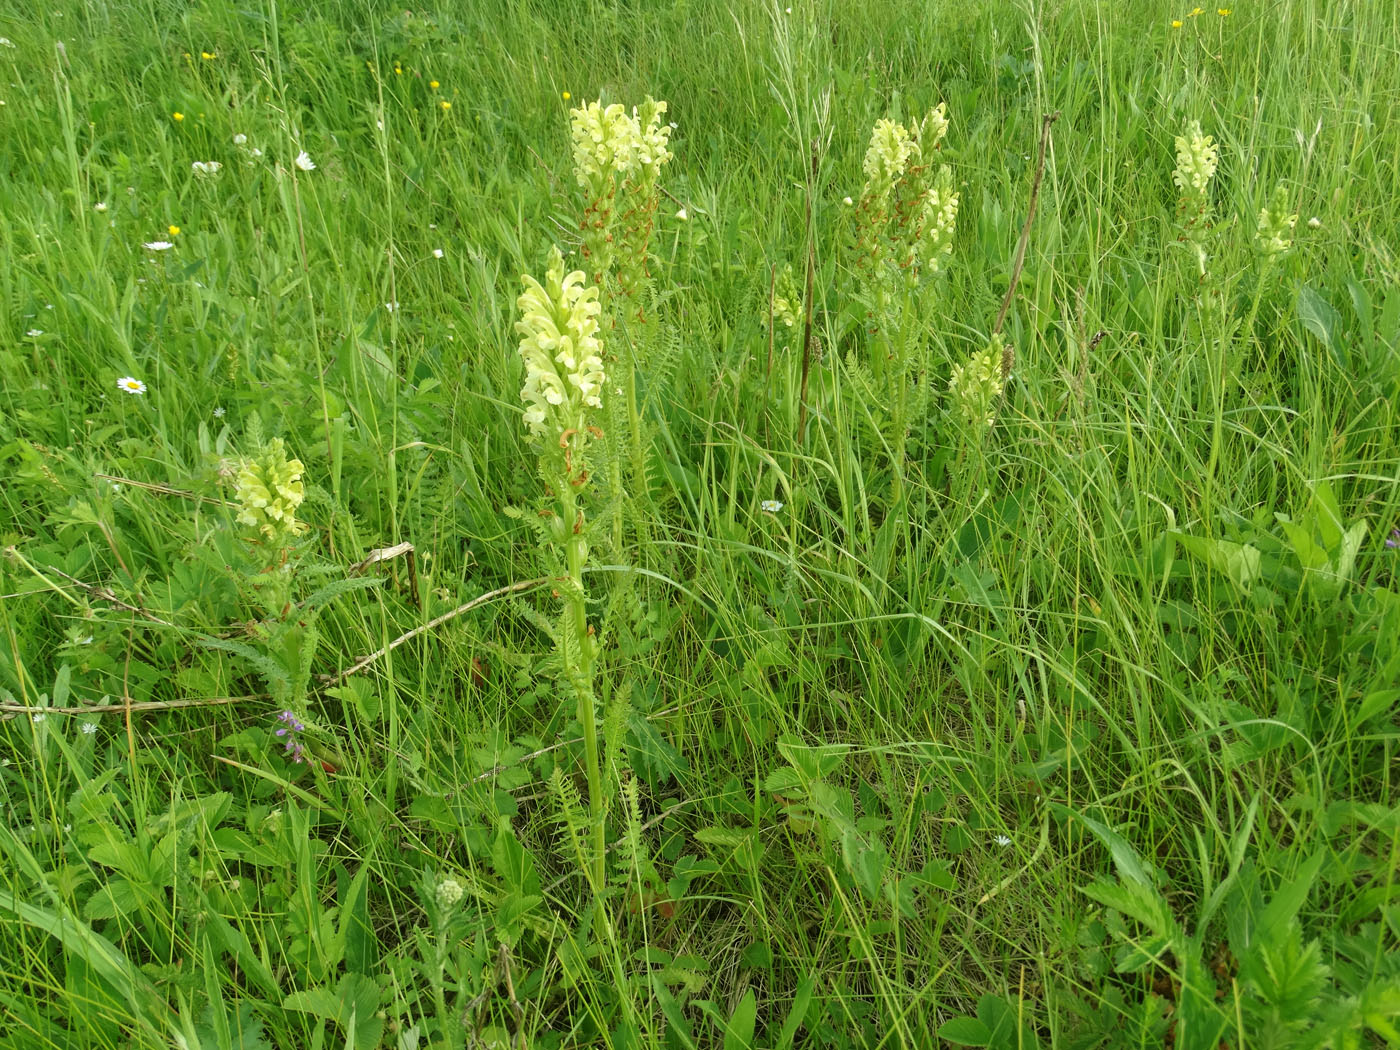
[(1394, 540), (290, 728)]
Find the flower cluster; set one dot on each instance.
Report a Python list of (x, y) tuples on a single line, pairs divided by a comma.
[(290, 731), (561, 350), (787, 300), (613, 148), (977, 384), (939, 221), (1196, 161), (908, 210), (1275, 232), (269, 491), (886, 158), (447, 893)]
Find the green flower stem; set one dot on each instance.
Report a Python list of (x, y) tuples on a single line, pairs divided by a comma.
[(579, 659)]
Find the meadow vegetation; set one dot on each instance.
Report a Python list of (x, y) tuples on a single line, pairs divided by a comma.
[(699, 524)]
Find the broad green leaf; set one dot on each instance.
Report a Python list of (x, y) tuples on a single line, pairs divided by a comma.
[(738, 1033)]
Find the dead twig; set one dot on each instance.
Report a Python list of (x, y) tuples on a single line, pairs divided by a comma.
[(142, 705), (1020, 260), (365, 661), (164, 490)]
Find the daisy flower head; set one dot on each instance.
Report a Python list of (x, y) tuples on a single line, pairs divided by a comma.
[(437, 253), (89, 728), (219, 412), (131, 385), (771, 506), (304, 161), (157, 246), (34, 333), (205, 167), (1002, 840), (240, 139)]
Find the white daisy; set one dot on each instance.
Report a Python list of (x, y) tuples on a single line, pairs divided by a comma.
[(240, 139), (37, 718), (131, 385), (206, 167), (100, 206), (771, 506), (1314, 223), (437, 253), (1002, 840), (219, 412), (304, 161), (157, 246), (89, 728), (34, 333)]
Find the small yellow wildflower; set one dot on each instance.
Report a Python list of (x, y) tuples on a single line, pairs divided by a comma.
[(567, 96), (208, 56), (178, 116), (174, 230), (445, 105), (433, 84), (1176, 23), (398, 70), (1196, 11), (1223, 12)]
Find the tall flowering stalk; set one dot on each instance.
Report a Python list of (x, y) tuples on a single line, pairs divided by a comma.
[(268, 491), (905, 221), (564, 380), (618, 157)]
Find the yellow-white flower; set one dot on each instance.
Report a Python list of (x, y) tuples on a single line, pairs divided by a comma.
[(1275, 232), (131, 385), (886, 158), (977, 383), (560, 347), (939, 221), (269, 491), (304, 161), (1196, 160)]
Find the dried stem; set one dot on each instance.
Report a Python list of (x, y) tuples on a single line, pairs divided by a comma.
[(1020, 261)]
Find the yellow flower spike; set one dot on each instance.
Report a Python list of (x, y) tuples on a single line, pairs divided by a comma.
[(174, 230), (433, 84), (177, 117)]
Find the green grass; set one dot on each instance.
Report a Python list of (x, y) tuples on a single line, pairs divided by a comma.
[(1078, 733)]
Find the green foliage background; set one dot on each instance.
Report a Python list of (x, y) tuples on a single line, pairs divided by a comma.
[(1087, 738)]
